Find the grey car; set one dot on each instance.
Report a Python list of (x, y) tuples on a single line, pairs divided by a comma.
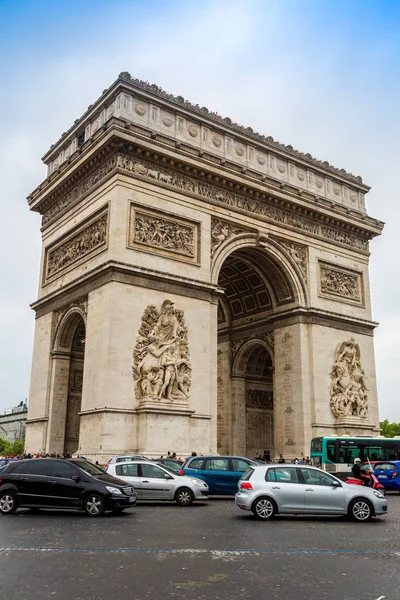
[(155, 482), (296, 489)]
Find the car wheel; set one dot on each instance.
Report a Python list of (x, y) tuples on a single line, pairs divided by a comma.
[(8, 503), (94, 505), (264, 509), (184, 497), (118, 510), (361, 510)]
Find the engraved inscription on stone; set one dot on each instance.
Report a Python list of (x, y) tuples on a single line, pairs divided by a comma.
[(156, 231), (81, 244), (348, 389), (340, 284)]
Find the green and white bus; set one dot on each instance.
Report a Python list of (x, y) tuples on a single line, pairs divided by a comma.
[(337, 454)]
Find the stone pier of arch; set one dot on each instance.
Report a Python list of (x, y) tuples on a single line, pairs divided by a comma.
[(202, 288)]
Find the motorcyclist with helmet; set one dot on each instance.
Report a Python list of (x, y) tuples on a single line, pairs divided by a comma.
[(357, 472)]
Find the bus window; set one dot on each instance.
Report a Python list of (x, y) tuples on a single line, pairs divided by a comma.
[(374, 453), (349, 453), (390, 453), (331, 451)]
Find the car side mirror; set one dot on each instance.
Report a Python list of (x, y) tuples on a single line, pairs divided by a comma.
[(75, 478), (336, 484), (167, 476)]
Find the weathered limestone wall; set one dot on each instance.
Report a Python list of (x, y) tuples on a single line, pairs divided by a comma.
[(114, 317), (292, 398)]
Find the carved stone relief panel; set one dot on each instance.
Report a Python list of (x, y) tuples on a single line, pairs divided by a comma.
[(165, 177), (340, 284), (160, 232), (161, 361), (348, 390), (259, 399), (82, 243), (298, 253), (221, 231)]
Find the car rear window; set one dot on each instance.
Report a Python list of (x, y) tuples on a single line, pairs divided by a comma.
[(125, 459), (247, 475), (385, 467)]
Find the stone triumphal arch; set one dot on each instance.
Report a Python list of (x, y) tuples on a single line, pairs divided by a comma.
[(203, 288)]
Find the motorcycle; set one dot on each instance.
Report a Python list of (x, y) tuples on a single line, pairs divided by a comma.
[(376, 485)]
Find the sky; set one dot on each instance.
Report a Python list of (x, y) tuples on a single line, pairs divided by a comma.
[(321, 75)]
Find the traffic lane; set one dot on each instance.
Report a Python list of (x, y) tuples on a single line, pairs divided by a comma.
[(214, 525), (186, 575)]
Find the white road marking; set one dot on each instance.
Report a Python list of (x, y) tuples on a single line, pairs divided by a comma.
[(381, 597)]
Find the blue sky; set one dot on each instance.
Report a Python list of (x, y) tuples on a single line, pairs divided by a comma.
[(320, 75)]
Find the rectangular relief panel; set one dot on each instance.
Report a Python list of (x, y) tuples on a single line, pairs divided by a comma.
[(340, 284), (159, 232), (80, 244)]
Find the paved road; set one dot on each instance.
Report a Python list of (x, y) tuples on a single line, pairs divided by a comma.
[(209, 550)]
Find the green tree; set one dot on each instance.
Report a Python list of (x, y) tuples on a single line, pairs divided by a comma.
[(17, 448), (5, 447), (389, 430)]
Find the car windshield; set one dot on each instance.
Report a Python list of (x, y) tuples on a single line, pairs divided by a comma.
[(165, 468), (87, 466)]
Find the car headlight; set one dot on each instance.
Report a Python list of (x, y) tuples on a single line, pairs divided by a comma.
[(378, 494), (198, 482), (113, 490)]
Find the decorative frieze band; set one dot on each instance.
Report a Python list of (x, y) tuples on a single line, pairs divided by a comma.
[(82, 243), (340, 284), (159, 232), (169, 178)]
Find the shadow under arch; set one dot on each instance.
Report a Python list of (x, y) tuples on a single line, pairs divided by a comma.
[(264, 249)]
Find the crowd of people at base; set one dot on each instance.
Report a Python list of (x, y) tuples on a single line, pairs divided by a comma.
[(304, 460), (37, 455)]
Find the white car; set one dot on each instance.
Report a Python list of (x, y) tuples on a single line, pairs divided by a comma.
[(155, 482)]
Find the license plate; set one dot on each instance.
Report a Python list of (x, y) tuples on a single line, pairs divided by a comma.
[(382, 476), (131, 499)]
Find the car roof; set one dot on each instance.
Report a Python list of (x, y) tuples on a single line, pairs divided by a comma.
[(219, 456)]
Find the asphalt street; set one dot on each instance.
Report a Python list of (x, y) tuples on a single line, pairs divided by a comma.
[(208, 550)]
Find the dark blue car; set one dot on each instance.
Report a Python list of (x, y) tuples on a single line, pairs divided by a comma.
[(388, 474), (221, 473)]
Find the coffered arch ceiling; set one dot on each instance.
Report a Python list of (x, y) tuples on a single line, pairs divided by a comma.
[(254, 283)]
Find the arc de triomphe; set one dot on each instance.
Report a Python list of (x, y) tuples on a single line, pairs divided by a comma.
[(202, 288)]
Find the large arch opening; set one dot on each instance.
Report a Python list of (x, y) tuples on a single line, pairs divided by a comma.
[(257, 285), (74, 397), (67, 382)]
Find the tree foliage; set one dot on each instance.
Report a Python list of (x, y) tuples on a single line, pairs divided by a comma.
[(389, 430), (13, 448)]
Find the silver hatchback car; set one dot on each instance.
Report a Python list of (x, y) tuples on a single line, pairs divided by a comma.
[(155, 482), (296, 489)]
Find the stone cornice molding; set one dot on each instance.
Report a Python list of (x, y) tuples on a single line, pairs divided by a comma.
[(103, 166), (104, 108), (114, 271)]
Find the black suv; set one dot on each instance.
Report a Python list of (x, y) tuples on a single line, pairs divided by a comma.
[(60, 483)]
